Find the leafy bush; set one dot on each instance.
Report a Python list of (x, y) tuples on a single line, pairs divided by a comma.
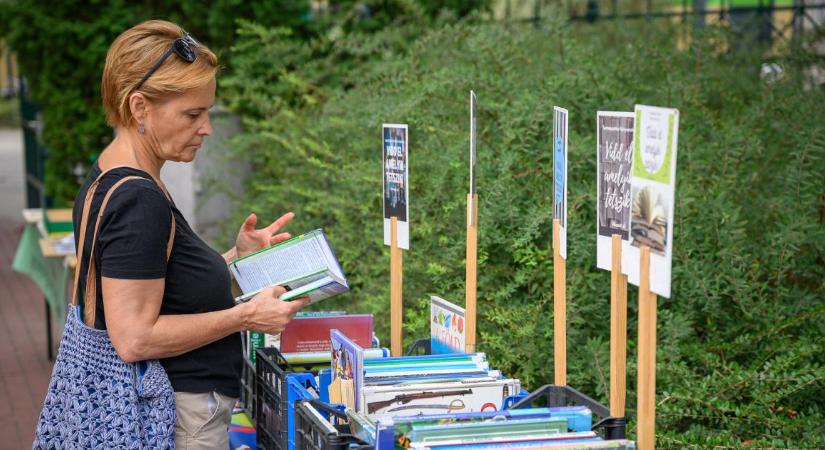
[(61, 48), (740, 356)]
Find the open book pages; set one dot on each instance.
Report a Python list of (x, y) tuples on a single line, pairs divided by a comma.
[(305, 265)]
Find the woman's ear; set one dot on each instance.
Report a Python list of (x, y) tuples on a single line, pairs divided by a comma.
[(137, 106)]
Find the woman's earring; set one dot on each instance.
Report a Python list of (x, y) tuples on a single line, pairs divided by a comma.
[(141, 129)]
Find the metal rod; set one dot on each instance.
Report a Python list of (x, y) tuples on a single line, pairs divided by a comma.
[(48, 330), (705, 12)]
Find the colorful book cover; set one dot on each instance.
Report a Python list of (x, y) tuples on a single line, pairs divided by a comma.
[(396, 432), (428, 368), (535, 428), (322, 358), (614, 159), (447, 333), (653, 187), (405, 428), (320, 313), (311, 334), (489, 375), (436, 398), (560, 175), (566, 442), (468, 367), (428, 359), (416, 367), (395, 150), (347, 360), (583, 440), (255, 340)]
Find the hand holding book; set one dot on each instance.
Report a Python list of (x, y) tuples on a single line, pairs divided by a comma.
[(304, 265), (267, 313)]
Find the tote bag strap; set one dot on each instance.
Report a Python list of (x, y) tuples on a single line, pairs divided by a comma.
[(90, 296)]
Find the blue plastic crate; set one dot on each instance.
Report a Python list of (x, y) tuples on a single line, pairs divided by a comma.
[(275, 394)]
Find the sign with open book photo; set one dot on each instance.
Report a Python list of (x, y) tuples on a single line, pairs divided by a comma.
[(653, 187), (305, 265), (396, 185)]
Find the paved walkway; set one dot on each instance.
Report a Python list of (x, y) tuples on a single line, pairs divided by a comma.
[(24, 367)]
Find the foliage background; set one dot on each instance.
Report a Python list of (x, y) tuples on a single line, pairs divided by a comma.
[(740, 356), (740, 359), (61, 48)]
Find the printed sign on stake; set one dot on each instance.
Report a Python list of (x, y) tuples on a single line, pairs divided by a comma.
[(396, 183), (653, 187), (560, 175), (472, 142), (614, 157)]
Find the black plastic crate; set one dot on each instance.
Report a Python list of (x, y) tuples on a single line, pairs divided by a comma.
[(269, 404), (551, 395), (313, 431), (420, 347), (271, 397), (248, 388)]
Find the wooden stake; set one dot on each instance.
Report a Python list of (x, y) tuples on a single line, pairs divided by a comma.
[(559, 310), (618, 331), (472, 272), (395, 290), (646, 389)]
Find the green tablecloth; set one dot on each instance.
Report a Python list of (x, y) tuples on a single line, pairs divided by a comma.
[(50, 274)]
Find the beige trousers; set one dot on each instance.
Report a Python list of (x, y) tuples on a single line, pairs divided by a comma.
[(203, 420)]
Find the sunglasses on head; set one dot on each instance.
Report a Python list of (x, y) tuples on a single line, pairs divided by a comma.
[(184, 47)]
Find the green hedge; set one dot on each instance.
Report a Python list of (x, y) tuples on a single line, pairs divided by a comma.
[(61, 48), (740, 355)]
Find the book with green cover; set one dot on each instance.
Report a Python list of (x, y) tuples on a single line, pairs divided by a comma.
[(305, 265)]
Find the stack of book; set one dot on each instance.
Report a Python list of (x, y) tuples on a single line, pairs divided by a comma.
[(566, 427), (546, 432), (448, 402), (415, 385)]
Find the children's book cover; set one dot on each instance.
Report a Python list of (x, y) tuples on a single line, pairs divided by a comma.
[(347, 361)]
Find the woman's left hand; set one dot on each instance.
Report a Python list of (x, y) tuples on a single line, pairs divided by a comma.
[(251, 240)]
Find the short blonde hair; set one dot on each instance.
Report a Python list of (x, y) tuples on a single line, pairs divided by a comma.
[(131, 56)]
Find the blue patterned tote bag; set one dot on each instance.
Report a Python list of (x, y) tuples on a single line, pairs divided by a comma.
[(95, 399)]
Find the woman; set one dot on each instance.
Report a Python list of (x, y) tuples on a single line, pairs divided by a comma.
[(158, 86)]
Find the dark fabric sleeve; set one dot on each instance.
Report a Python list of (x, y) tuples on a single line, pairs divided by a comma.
[(134, 232)]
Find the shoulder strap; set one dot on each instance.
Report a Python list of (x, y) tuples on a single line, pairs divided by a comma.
[(90, 296)]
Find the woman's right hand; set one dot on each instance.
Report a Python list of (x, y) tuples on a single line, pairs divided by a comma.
[(267, 313)]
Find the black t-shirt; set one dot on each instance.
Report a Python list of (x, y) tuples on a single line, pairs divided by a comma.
[(132, 244)]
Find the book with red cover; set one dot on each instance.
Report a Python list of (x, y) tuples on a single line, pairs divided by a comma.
[(311, 334)]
